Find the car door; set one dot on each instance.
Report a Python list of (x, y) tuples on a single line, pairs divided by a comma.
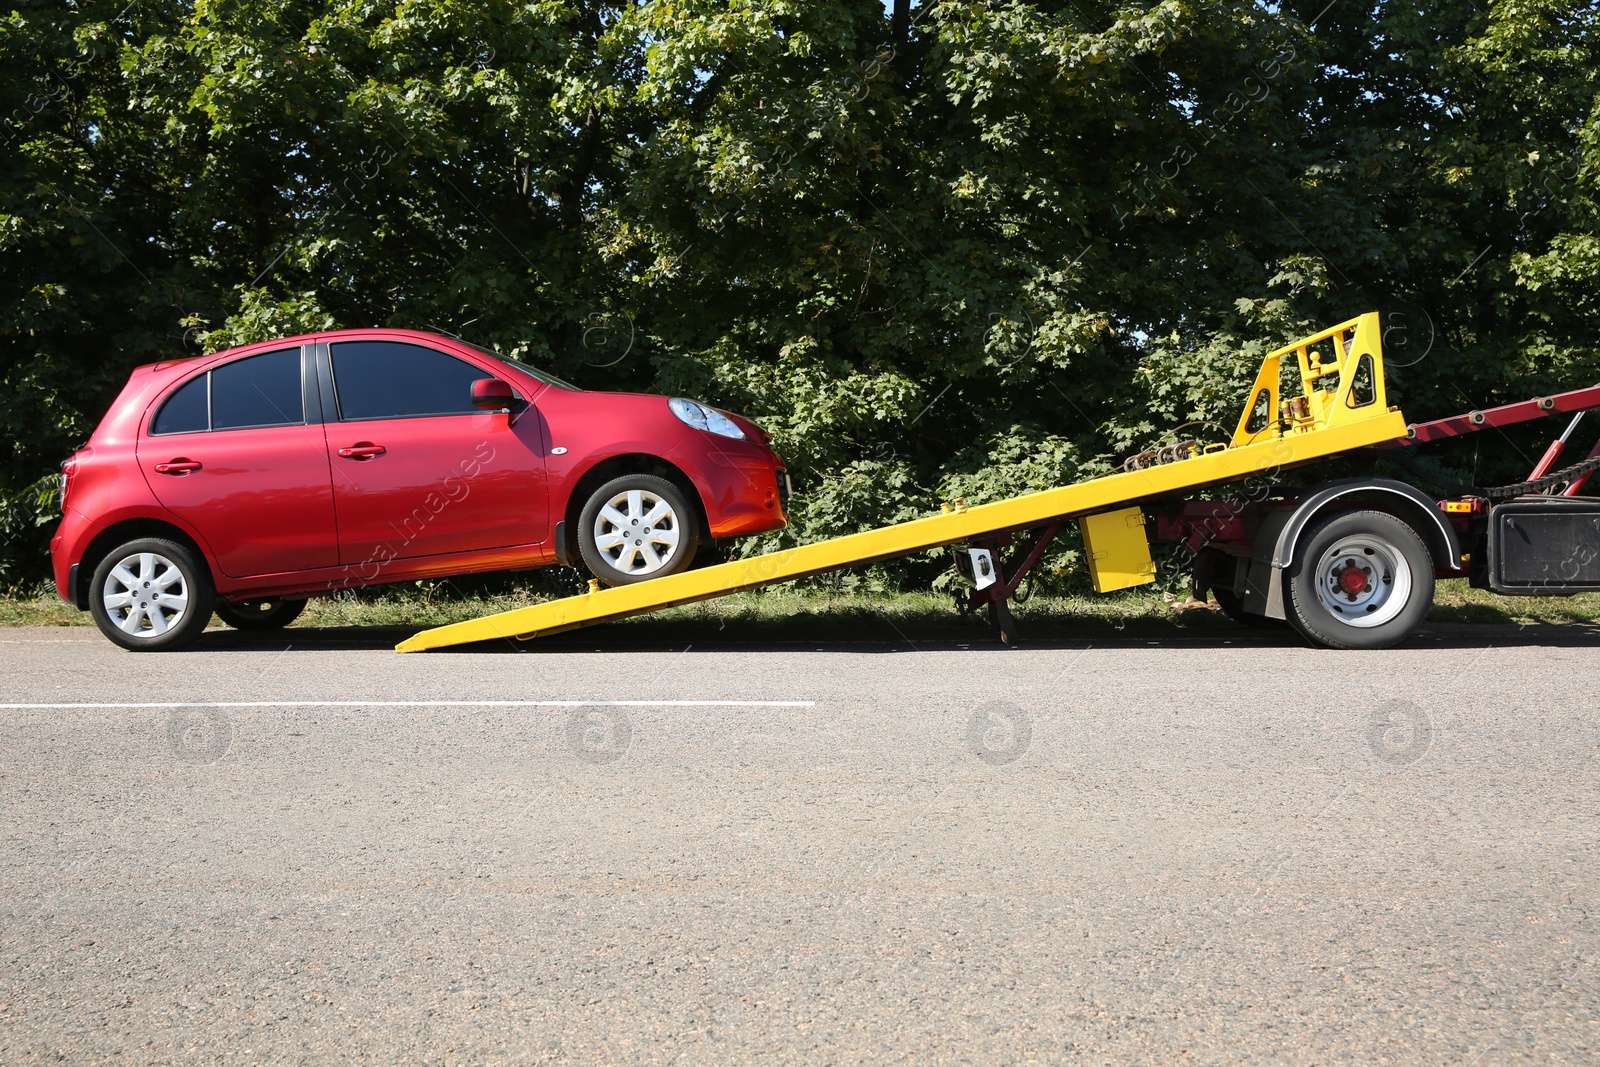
[(417, 469), (238, 453)]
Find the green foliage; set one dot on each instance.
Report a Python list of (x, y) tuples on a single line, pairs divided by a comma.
[(24, 517), (998, 253)]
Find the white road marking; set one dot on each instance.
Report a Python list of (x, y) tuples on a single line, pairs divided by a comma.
[(427, 704)]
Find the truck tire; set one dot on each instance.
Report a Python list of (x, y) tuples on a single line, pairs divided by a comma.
[(1360, 580), (1213, 567), (1232, 606)]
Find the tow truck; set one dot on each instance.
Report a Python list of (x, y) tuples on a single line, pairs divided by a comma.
[(1348, 563)]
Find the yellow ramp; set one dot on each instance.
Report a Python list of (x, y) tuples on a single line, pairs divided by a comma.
[(1326, 427)]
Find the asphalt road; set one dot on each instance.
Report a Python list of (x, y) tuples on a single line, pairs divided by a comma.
[(1176, 850)]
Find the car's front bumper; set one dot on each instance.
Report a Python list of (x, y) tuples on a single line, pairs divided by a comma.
[(745, 492)]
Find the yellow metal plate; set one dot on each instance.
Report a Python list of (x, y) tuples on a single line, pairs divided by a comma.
[(1263, 459), (1118, 549)]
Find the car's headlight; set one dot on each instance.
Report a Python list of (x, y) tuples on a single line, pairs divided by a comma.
[(703, 417)]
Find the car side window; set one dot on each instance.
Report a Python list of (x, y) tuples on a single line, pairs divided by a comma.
[(186, 411), (393, 380), (258, 391), (249, 393)]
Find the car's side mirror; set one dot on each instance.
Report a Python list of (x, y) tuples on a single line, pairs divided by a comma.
[(492, 394)]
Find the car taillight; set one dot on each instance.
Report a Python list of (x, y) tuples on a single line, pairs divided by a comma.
[(69, 467)]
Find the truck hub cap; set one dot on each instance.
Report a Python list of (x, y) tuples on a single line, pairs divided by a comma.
[(1363, 581), (637, 531), (145, 595)]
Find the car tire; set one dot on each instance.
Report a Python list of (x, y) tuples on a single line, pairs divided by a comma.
[(1359, 580), (637, 527), (259, 614), (151, 595)]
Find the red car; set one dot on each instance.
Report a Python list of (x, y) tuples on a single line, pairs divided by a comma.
[(245, 481)]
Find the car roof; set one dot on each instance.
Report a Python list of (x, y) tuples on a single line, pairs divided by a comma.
[(374, 333)]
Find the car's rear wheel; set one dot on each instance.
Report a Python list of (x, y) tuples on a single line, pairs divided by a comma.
[(637, 527), (151, 595), (1360, 580), (259, 614)]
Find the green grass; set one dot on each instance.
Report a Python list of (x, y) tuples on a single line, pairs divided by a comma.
[(784, 612), (42, 609), (1455, 601)]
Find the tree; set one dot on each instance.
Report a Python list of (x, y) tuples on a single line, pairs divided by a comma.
[(951, 248)]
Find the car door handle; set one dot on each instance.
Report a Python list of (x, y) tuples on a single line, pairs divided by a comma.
[(177, 466), (363, 450)]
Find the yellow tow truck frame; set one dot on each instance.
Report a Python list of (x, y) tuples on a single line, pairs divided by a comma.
[(1341, 406)]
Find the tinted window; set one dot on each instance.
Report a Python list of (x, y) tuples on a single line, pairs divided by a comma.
[(185, 411), (532, 372), (386, 380), (258, 391)]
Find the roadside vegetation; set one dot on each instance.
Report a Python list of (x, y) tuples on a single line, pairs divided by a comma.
[(826, 615), (941, 250)]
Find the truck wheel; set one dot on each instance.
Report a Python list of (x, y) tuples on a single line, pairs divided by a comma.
[(1360, 580), (635, 528), (151, 595), (259, 614), (1232, 606)]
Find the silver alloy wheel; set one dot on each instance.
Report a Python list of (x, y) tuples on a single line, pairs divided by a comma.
[(637, 531), (145, 595), (1363, 581)]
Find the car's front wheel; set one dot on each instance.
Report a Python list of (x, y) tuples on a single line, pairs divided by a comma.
[(259, 614), (151, 595), (637, 527)]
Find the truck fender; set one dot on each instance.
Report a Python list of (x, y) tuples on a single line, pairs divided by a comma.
[(1280, 533)]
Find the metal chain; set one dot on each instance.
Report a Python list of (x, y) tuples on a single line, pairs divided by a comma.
[(1549, 481)]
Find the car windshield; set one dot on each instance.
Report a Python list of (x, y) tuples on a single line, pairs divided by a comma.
[(532, 372)]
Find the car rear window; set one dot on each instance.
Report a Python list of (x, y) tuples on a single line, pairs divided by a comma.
[(393, 380)]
